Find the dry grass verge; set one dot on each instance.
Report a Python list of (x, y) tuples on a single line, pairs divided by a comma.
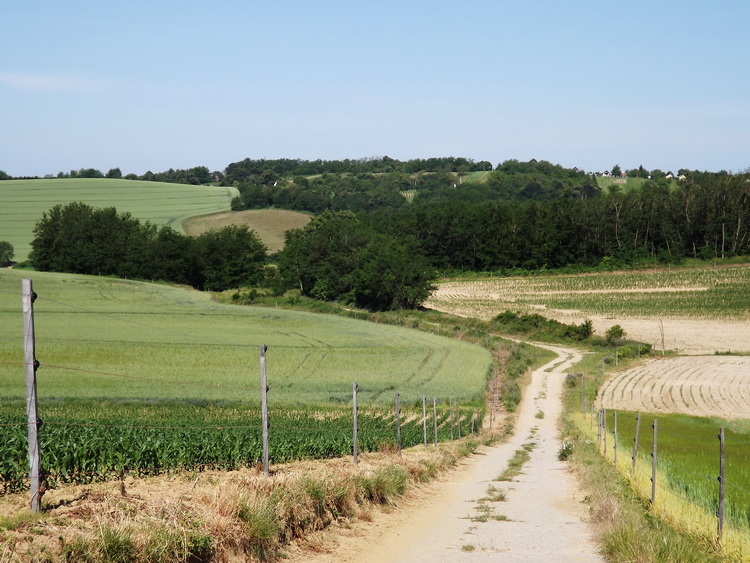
[(214, 516)]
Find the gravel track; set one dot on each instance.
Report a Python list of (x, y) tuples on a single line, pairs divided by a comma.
[(541, 519)]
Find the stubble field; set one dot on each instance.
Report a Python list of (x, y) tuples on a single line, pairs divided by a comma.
[(695, 313)]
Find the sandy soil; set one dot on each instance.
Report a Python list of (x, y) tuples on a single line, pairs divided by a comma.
[(542, 518)]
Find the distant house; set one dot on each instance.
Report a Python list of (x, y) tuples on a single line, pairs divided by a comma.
[(681, 177)]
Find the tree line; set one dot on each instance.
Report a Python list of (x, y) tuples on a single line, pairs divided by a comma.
[(704, 217), (380, 237), (80, 239), (335, 257)]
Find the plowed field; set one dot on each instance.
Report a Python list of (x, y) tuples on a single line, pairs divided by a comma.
[(697, 385)]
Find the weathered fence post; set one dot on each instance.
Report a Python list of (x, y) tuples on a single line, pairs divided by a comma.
[(398, 424), (614, 444), (458, 419), (31, 365), (635, 440), (424, 419), (355, 438), (604, 430), (653, 464), (434, 417), (720, 512), (264, 406), (599, 429), (451, 418)]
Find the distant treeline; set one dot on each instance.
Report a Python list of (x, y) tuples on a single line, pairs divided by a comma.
[(262, 170), (368, 191), (705, 216), (196, 176), (385, 226)]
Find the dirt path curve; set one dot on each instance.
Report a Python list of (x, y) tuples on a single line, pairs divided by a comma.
[(545, 517)]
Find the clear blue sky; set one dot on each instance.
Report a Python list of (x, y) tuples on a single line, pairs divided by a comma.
[(152, 85)]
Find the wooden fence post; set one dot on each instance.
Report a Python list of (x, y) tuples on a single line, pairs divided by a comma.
[(614, 444), (604, 430), (398, 424), (720, 512), (635, 440), (653, 464), (31, 365), (424, 419), (264, 406), (434, 417), (355, 413), (451, 418), (458, 419)]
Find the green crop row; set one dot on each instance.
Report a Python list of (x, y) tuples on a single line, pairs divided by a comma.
[(84, 441)]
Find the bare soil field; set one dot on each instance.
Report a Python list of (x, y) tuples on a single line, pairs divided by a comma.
[(269, 224), (696, 385)]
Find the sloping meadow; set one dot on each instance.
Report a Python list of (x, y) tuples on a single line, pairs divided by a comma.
[(150, 371)]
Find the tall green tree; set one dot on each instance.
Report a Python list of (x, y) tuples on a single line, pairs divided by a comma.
[(229, 257), (391, 274), (6, 253), (336, 257)]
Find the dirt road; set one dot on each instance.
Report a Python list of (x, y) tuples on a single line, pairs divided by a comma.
[(462, 518)]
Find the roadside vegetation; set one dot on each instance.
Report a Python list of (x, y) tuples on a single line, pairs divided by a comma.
[(682, 526), (218, 516)]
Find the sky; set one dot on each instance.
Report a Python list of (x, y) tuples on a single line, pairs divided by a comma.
[(153, 85)]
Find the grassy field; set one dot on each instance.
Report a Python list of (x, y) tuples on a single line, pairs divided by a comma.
[(269, 224), (101, 337), (22, 203), (145, 378)]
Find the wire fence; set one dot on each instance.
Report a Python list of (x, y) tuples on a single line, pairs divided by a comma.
[(697, 479), (85, 440)]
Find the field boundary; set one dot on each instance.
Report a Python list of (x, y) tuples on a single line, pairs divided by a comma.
[(653, 483)]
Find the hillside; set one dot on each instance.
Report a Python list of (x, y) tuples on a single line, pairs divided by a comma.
[(22, 203), (269, 224)]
